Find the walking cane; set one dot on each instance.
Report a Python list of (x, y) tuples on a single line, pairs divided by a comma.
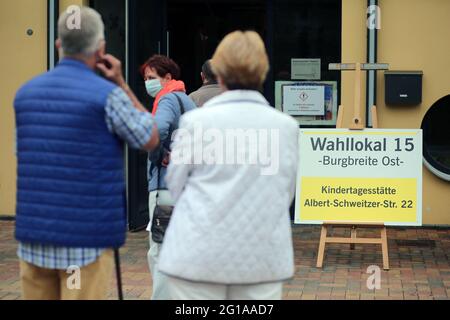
[(118, 275)]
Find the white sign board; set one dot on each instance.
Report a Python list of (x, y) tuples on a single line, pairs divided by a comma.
[(303, 100), (331, 98), (305, 69), (372, 175)]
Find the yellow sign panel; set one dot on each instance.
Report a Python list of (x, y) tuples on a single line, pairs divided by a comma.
[(371, 175), (359, 199)]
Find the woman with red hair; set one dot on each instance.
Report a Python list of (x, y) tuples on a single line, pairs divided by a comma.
[(161, 75)]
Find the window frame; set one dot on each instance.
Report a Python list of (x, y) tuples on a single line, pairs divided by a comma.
[(430, 163)]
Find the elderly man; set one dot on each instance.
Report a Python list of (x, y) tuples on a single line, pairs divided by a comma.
[(71, 192), (210, 87)]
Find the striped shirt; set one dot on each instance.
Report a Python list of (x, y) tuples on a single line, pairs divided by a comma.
[(132, 126)]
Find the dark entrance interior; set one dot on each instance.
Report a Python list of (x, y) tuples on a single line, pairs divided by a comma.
[(196, 28), (189, 31)]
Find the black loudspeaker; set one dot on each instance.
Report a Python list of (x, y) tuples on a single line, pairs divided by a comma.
[(403, 87)]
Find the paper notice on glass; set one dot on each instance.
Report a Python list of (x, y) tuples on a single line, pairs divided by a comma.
[(305, 69), (300, 100)]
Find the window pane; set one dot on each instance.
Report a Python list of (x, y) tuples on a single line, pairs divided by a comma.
[(436, 135)]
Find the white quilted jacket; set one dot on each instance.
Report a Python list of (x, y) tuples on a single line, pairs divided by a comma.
[(231, 224)]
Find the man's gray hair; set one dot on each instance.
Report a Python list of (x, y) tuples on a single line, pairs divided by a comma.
[(83, 39)]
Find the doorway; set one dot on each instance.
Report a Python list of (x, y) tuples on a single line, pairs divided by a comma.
[(189, 30), (195, 28)]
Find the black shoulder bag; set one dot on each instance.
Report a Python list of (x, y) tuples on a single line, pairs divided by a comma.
[(162, 214)]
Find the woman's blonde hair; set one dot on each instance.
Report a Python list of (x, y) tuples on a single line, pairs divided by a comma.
[(241, 61)]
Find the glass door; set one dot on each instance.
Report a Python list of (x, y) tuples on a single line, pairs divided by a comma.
[(134, 30), (196, 27), (189, 30), (308, 31), (147, 36)]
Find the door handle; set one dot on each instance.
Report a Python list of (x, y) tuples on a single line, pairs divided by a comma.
[(168, 43)]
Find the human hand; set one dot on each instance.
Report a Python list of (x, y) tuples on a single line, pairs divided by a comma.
[(111, 67), (166, 160)]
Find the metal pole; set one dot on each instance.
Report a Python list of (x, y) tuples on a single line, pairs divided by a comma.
[(118, 274), (372, 44), (116, 251), (168, 43), (52, 7)]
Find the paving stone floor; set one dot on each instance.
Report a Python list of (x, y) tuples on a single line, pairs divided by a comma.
[(419, 266)]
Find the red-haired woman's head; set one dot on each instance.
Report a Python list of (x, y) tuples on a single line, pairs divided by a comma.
[(162, 66)]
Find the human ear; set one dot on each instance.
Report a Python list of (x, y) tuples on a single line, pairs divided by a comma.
[(100, 53), (58, 43), (58, 46), (102, 48)]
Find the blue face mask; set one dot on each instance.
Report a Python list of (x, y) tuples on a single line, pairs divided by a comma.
[(153, 87)]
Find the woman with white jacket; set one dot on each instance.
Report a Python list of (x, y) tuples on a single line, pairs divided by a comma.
[(232, 174)]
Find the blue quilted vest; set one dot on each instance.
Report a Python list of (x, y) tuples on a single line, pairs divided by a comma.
[(70, 181)]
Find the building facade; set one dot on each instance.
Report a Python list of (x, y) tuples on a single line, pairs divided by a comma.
[(409, 35)]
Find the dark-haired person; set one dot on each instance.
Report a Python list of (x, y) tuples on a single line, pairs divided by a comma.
[(161, 75), (210, 87)]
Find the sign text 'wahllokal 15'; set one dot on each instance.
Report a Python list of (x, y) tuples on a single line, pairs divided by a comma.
[(372, 175)]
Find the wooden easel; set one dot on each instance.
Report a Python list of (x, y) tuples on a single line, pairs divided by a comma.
[(357, 124)]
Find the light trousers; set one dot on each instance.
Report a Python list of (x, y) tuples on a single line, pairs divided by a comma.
[(187, 290), (51, 284), (159, 280)]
